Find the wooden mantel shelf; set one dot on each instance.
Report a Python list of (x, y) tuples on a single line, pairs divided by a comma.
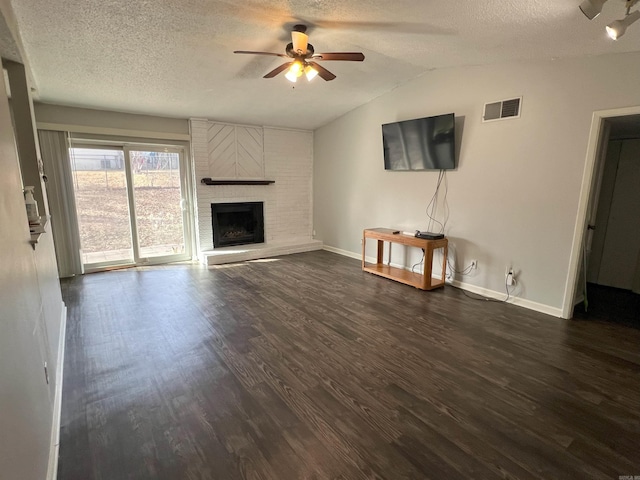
[(209, 181)]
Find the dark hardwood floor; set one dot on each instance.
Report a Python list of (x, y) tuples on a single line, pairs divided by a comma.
[(610, 304), (304, 367)]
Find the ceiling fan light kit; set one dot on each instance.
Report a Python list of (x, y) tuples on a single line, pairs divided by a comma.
[(310, 72), (303, 58), (294, 72), (592, 8)]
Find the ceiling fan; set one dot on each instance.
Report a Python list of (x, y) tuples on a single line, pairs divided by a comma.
[(303, 58)]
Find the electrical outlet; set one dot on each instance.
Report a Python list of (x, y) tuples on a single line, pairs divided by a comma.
[(511, 279), (474, 264)]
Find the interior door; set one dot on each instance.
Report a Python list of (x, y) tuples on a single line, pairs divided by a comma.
[(622, 242)]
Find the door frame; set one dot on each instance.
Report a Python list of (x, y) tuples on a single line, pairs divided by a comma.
[(590, 181), (186, 184)]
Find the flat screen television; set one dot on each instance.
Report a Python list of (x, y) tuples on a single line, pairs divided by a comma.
[(420, 144)]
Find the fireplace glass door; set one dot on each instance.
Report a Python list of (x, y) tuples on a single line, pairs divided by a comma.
[(237, 223)]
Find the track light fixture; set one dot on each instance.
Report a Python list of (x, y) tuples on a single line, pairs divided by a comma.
[(592, 8), (616, 29)]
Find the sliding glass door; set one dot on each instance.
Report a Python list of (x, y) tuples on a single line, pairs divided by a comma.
[(158, 202), (102, 204), (131, 204)]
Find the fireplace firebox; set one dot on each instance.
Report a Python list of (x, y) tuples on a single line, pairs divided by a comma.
[(237, 223)]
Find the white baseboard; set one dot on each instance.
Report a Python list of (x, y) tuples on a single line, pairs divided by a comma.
[(369, 259), (521, 302), (358, 256), (344, 253), (52, 470)]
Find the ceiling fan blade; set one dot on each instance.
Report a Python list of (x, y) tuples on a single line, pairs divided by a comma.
[(348, 56), (322, 72), (299, 40), (278, 70), (260, 53)]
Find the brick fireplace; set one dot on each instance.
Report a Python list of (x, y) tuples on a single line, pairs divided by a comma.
[(287, 203)]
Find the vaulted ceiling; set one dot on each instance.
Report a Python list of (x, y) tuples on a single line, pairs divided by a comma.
[(174, 58)]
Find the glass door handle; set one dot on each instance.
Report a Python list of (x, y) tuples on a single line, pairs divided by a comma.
[(183, 205)]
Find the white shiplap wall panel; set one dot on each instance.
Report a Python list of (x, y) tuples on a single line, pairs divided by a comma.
[(250, 152), (235, 151), (221, 148)]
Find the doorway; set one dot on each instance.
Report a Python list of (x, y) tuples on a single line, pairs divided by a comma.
[(609, 275), (131, 204)]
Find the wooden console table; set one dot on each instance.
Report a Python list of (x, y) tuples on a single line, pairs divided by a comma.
[(422, 280)]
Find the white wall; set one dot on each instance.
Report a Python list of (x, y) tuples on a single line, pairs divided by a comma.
[(30, 325), (514, 196), (288, 157)]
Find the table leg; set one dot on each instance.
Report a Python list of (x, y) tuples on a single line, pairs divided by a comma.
[(428, 267), (445, 252)]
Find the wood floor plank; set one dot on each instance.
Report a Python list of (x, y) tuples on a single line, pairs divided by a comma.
[(304, 367)]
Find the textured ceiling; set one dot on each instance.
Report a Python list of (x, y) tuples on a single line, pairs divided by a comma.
[(174, 58), (8, 48)]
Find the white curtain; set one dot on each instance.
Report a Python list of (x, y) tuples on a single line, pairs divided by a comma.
[(64, 221)]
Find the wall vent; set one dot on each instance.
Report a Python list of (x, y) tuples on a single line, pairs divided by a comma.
[(504, 109)]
